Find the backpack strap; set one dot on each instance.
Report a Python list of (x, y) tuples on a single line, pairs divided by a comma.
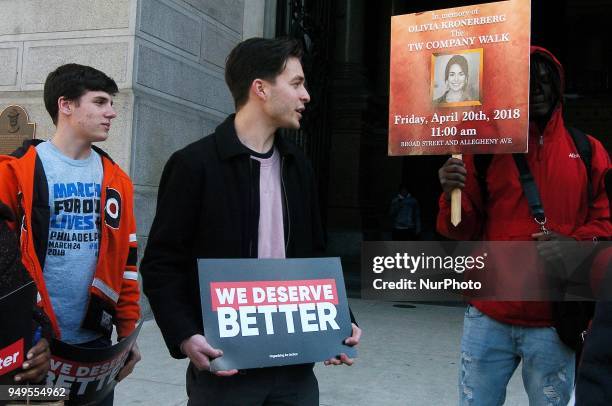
[(481, 165), (585, 150), (530, 189)]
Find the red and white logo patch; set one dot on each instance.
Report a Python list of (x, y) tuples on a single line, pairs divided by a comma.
[(112, 208)]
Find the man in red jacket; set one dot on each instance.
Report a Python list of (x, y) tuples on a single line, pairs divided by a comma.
[(498, 335)]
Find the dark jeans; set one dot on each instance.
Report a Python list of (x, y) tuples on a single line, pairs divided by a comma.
[(101, 343), (294, 385)]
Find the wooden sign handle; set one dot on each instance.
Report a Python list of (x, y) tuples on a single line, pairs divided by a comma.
[(456, 200)]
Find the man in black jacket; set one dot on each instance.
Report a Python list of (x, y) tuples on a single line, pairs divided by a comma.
[(239, 193)]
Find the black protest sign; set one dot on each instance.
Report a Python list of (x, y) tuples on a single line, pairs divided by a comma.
[(271, 312), (88, 373), (15, 330)]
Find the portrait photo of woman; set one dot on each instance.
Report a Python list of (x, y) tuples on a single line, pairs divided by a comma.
[(456, 79)]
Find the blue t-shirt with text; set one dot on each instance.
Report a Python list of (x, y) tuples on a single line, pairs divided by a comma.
[(72, 251)]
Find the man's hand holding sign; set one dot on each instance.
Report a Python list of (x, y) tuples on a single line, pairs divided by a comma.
[(133, 358), (201, 354), (352, 341), (37, 363)]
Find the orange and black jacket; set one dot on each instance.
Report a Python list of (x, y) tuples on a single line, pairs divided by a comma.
[(114, 291)]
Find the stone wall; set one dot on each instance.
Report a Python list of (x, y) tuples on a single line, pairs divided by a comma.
[(41, 35), (180, 92)]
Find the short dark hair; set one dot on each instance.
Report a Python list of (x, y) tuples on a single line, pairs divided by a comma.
[(257, 58), (72, 81), (457, 60)]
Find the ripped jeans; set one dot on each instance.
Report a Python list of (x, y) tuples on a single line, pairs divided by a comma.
[(491, 351)]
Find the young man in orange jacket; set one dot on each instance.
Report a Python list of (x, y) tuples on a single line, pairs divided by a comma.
[(74, 208)]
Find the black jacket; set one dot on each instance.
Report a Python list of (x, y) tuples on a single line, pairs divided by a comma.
[(208, 207), (13, 274), (594, 380)]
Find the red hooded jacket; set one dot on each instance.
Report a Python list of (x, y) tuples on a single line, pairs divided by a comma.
[(561, 178)]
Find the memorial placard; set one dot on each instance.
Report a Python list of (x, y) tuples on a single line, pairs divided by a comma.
[(459, 80)]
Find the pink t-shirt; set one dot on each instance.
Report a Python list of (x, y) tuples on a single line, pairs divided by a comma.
[(271, 236)]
